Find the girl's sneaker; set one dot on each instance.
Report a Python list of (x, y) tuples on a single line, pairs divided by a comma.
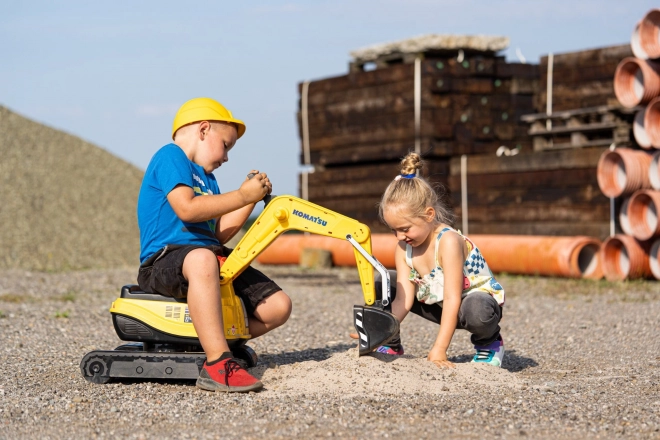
[(490, 354), (393, 350)]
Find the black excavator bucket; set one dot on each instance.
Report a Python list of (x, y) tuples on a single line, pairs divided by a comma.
[(374, 326)]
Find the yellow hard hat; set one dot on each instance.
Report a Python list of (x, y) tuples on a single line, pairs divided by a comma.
[(204, 109)]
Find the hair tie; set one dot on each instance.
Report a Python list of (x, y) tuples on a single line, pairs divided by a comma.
[(405, 176)]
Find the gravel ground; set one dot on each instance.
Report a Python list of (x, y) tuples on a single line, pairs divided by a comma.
[(582, 361)]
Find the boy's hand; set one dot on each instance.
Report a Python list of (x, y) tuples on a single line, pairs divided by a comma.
[(255, 188), (266, 180)]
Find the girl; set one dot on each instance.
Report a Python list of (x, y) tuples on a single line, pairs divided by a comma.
[(441, 274)]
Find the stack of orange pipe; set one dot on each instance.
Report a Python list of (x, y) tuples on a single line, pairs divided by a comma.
[(628, 173), (637, 80), (575, 257)]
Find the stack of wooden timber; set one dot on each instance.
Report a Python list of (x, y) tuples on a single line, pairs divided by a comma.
[(533, 193), (361, 124), (583, 108), (580, 79), (553, 190)]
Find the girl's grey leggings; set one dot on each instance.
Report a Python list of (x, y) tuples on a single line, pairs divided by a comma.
[(479, 313)]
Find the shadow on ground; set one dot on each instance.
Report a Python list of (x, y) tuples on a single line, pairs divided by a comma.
[(311, 354), (512, 362)]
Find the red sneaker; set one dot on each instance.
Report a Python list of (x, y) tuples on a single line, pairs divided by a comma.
[(229, 376)]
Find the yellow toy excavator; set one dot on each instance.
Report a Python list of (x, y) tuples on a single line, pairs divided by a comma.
[(163, 342)]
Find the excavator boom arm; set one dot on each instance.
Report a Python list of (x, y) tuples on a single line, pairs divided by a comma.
[(285, 213)]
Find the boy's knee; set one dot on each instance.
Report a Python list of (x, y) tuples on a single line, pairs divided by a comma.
[(200, 261), (275, 310), (284, 307)]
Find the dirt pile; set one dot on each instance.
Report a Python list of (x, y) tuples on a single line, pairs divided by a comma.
[(382, 374), (64, 203)]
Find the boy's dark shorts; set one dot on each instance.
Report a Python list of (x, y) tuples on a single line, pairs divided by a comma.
[(163, 273)]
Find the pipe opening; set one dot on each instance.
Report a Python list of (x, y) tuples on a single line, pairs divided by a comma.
[(588, 259), (624, 217), (639, 215), (654, 171), (637, 84), (651, 216), (627, 75), (653, 259), (652, 122), (639, 130), (611, 173), (636, 81), (615, 261), (623, 261), (620, 174)]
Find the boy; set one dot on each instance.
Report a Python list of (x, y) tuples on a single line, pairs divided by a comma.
[(184, 222)]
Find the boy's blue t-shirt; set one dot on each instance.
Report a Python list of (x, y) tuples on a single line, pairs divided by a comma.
[(159, 225)]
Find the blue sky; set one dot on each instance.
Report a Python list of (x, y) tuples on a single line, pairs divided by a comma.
[(114, 72)]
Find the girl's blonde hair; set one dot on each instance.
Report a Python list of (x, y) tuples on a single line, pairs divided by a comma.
[(414, 193)]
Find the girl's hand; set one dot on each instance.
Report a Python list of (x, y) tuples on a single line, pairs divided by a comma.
[(439, 358)]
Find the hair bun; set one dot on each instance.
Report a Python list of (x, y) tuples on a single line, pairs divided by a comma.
[(411, 163)]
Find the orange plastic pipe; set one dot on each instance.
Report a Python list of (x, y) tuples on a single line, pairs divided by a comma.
[(572, 257), (643, 208), (517, 254), (636, 81), (622, 171), (624, 257), (287, 249), (648, 33)]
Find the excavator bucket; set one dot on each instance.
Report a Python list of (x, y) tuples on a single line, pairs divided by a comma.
[(374, 327)]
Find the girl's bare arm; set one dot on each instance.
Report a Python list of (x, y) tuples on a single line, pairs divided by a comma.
[(405, 290), (451, 255)]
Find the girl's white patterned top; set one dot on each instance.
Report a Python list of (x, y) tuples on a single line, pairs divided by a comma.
[(477, 276)]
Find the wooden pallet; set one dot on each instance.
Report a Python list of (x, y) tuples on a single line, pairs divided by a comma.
[(599, 126)]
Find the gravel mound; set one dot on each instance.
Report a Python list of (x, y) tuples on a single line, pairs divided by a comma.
[(64, 203), (582, 361)]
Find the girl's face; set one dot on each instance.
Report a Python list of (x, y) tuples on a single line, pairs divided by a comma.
[(413, 230)]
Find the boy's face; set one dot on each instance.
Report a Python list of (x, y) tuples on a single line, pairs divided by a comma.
[(218, 139)]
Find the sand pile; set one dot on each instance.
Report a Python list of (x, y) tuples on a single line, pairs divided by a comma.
[(64, 203), (344, 374)]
